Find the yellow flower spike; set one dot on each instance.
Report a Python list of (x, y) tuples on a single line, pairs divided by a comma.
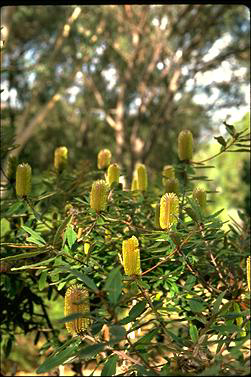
[(141, 177), (131, 256), (23, 180), (172, 185), (99, 194), (104, 158), (169, 210), (167, 172), (248, 272), (200, 196), (113, 173), (185, 145), (77, 301), (60, 158), (134, 185), (86, 247)]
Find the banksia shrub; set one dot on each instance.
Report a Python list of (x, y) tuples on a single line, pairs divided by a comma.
[(77, 301), (248, 272), (23, 180), (60, 158), (142, 180), (113, 173), (200, 196), (172, 185), (185, 145), (104, 158), (99, 194), (167, 173), (131, 256), (169, 210)]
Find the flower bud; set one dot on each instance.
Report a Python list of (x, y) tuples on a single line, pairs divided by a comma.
[(200, 196), (172, 185), (104, 158), (248, 272), (167, 172), (86, 247), (77, 301), (11, 168), (185, 145), (23, 180), (134, 185), (60, 158), (141, 177), (113, 173), (169, 210), (99, 194), (131, 256)]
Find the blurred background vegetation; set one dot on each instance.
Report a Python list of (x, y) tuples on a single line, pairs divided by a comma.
[(127, 78)]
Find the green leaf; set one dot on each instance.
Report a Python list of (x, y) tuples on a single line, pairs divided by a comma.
[(218, 302), (42, 280), (135, 312), (5, 227), (23, 256), (196, 305), (146, 339), (193, 333), (221, 140), (70, 235), (33, 265), (113, 285), (117, 334), (91, 351), (71, 317), (60, 356), (61, 228), (35, 235), (109, 368), (85, 279), (230, 129)]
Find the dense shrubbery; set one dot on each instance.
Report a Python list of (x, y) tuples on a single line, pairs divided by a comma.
[(153, 259)]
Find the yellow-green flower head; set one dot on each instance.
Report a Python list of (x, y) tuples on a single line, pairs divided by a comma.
[(104, 158), (77, 301), (23, 180), (142, 180), (99, 194), (167, 172), (185, 145), (11, 168), (172, 185), (134, 185), (113, 173), (200, 196), (60, 158), (248, 272), (169, 210), (131, 256)]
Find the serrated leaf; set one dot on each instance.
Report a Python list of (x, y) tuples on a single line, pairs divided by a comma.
[(91, 351), (218, 302), (193, 333), (113, 285), (70, 235), (109, 368), (34, 234), (42, 280), (85, 279)]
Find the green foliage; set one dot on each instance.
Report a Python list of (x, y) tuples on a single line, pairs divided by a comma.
[(187, 313)]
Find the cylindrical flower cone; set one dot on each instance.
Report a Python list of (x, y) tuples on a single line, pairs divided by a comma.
[(142, 177), (200, 196), (60, 158), (185, 145), (172, 185), (248, 272), (134, 185), (131, 256), (77, 301), (99, 194), (104, 158), (167, 173), (113, 173), (23, 180), (169, 210)]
